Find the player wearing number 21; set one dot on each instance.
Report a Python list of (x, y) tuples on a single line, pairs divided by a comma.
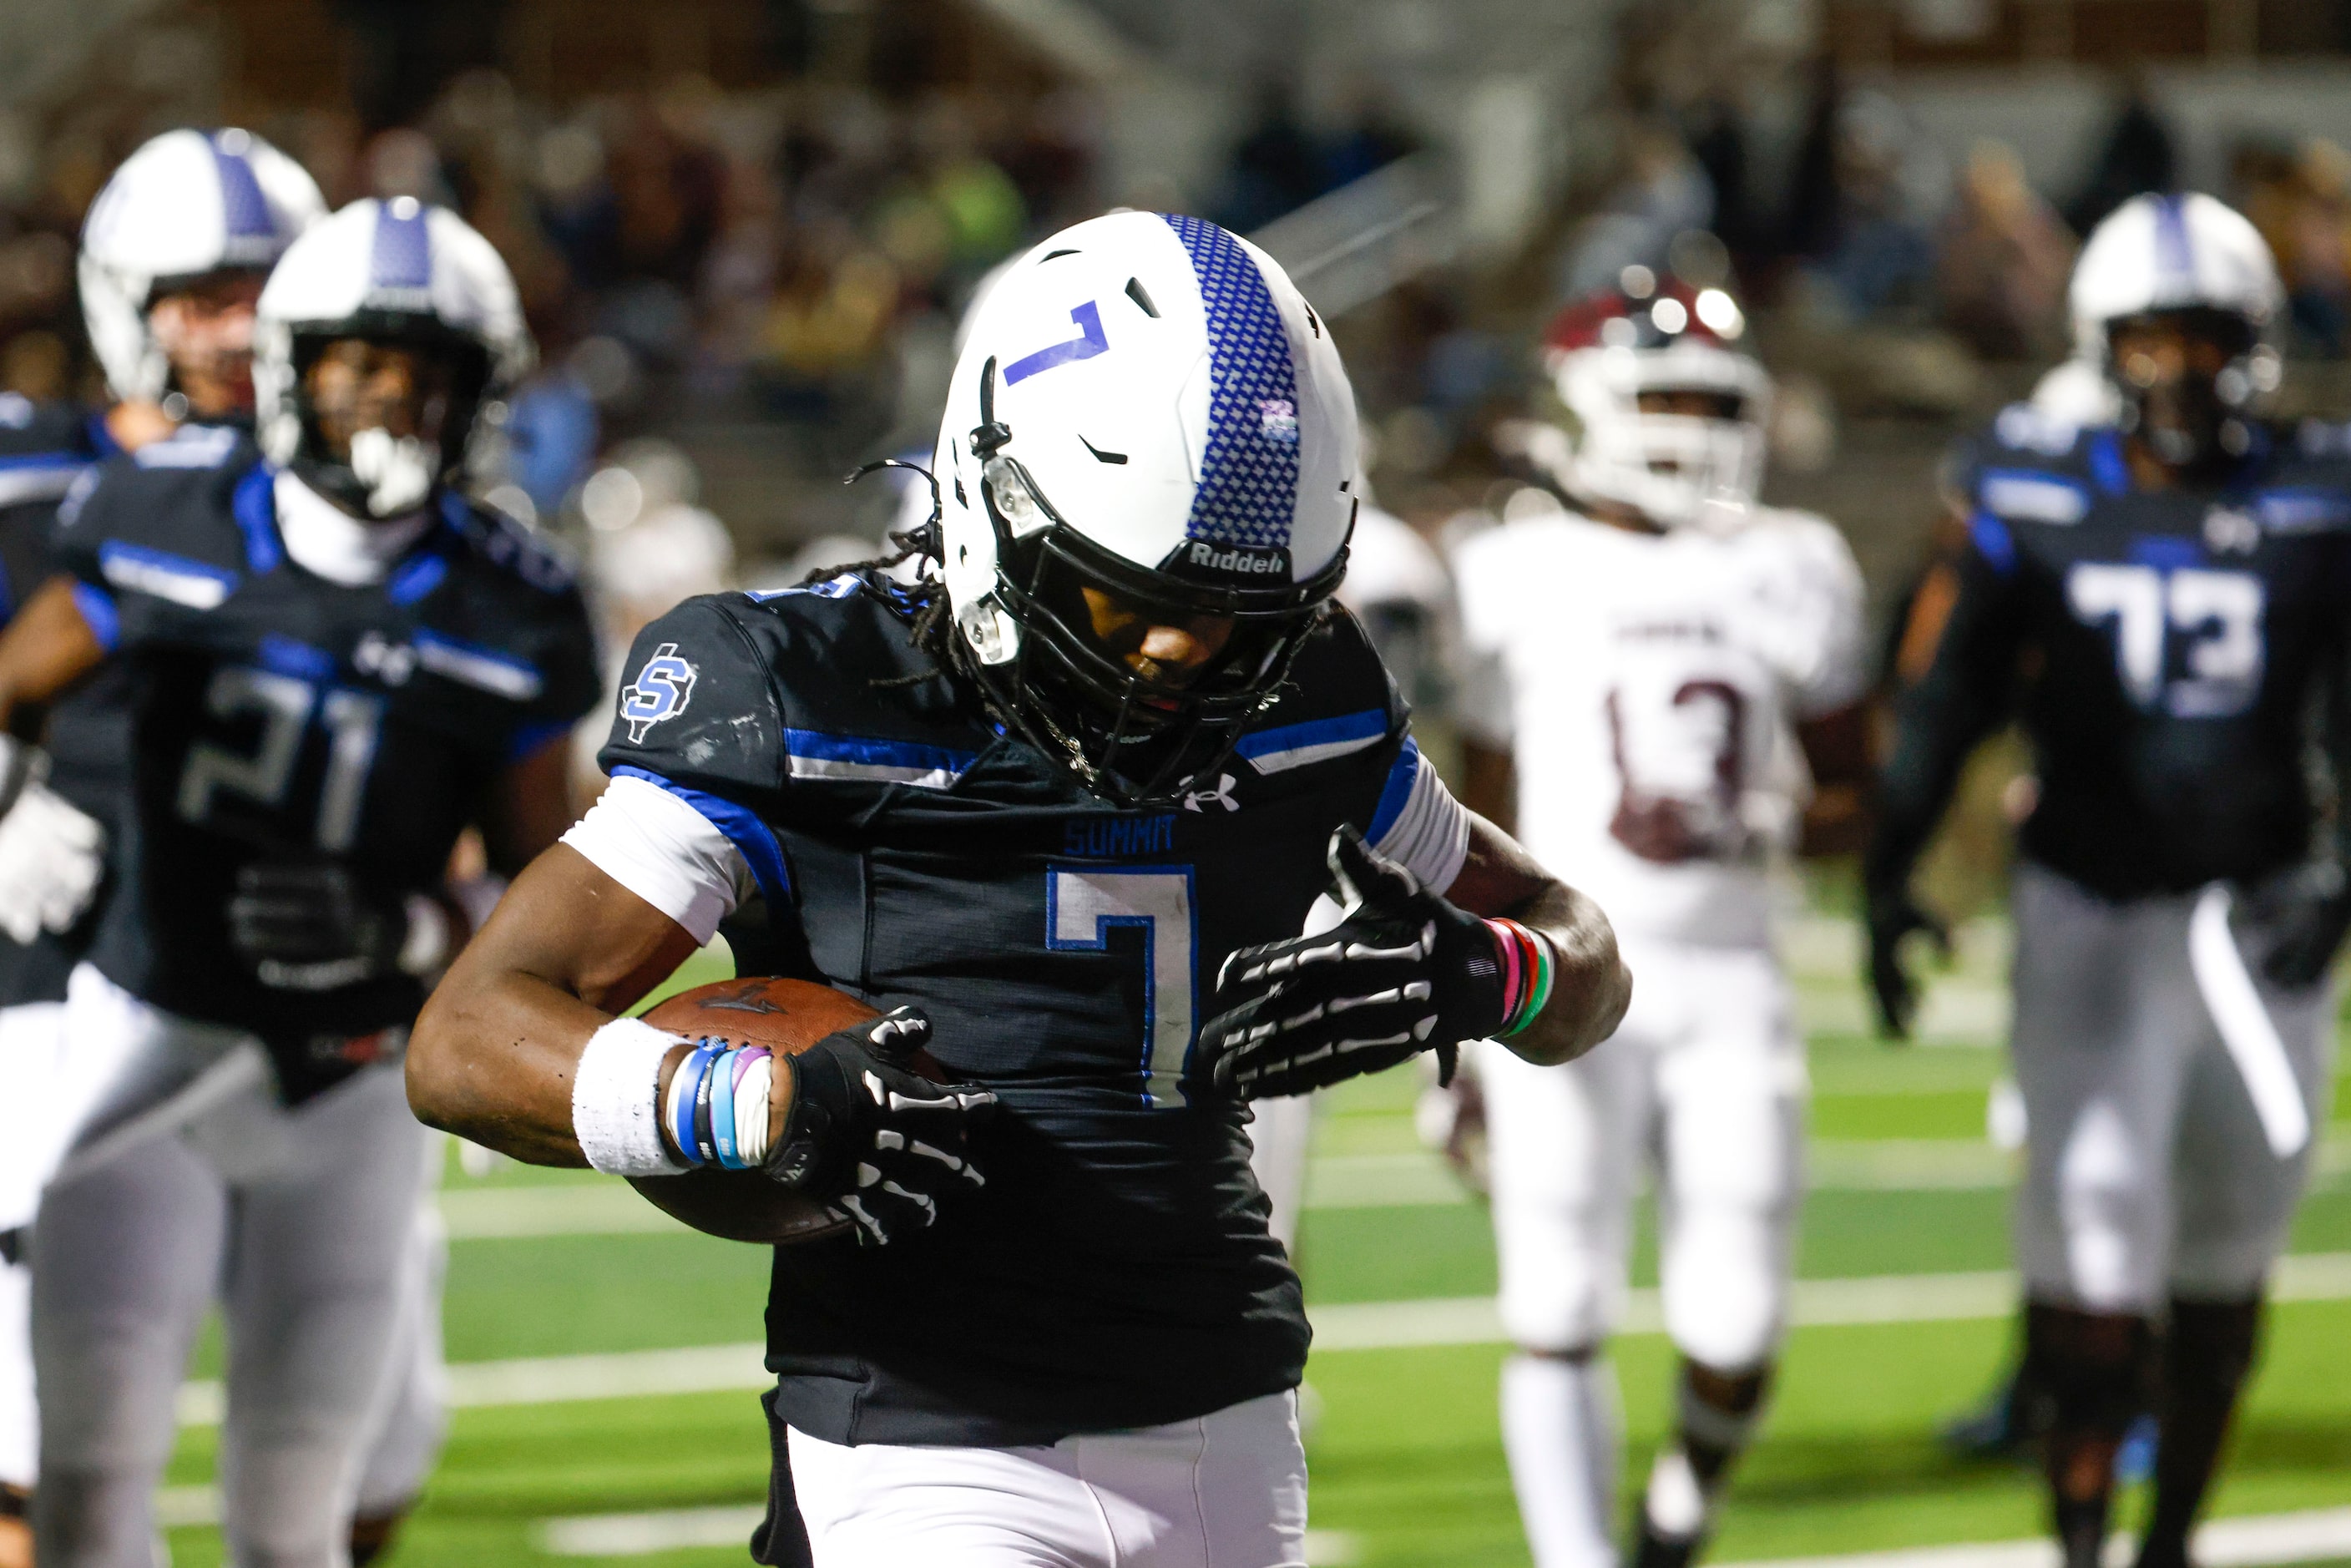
[(1067, 804), (2162, 603), (334, 664)]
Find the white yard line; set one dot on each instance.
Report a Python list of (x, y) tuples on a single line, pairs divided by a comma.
[(678, 1529), (2251, 1542), (1410, 1180), (1346, 1326)]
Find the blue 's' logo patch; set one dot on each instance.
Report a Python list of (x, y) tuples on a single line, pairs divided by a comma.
[(660, 692)]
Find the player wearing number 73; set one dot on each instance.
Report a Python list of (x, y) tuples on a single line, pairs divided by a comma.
[(2163, 605), (1072, 797)]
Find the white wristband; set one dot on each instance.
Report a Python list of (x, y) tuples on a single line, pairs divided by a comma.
[(615, 1110)]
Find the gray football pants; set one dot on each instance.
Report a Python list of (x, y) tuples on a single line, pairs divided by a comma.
[(304, 1224), (2147, 1172)]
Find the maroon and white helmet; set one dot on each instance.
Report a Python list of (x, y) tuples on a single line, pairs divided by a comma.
[(1651, 336)]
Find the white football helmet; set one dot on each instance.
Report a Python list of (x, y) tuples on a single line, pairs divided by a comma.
[(187, 203), (1651, 336), (391, 271), (1144, 404), (2159, 254)]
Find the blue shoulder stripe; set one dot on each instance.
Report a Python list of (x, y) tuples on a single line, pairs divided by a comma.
[(99, 614), (753, 837), (1993, 542), (1402, 775), (254, 502), (1315, 740)]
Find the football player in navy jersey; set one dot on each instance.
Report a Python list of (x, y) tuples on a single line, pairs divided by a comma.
[(2161, 603), (335, 664), (1064, 807), (173, 256)]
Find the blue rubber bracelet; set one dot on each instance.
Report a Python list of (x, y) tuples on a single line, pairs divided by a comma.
[(722, 1111), (680, 1129), (708, 1146)]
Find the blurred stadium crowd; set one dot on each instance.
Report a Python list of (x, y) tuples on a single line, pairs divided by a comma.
[(789, 257)]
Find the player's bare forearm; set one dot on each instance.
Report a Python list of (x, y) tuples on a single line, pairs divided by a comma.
[(497, 1046), (1837, 748), (47, 648), (1490, 783), (1592, 986)]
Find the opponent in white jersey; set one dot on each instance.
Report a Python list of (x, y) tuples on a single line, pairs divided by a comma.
[(1655, 672)]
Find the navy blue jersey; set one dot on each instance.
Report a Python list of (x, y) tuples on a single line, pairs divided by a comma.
[(44, 448), (278, 717), (2164, 651), (1116, 1270)]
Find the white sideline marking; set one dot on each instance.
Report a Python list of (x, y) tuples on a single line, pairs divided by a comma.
[(1359, 1325), (676, 1529), (1814, 1303), (2252, 1541), (641, 1534)]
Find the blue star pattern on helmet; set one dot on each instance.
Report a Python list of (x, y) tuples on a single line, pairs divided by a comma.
[(402, 258), (244, 211), (1249, 476)]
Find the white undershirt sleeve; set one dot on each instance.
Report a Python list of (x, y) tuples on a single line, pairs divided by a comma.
[(1429, 834), (666, 853)]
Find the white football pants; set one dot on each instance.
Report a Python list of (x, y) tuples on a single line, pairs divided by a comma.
[(304, 1222), (1224, 1490), (1281, 1135), (1705, 1078), (30, 1038), (2147, 1172)]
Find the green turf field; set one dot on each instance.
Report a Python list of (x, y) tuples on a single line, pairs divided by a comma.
[(1406, 1457)]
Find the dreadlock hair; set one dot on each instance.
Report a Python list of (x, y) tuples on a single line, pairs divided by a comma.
[(927, 596)]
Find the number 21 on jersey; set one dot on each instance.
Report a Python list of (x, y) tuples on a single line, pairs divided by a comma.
[(2214, 617), (1082, 906), (284, 704)]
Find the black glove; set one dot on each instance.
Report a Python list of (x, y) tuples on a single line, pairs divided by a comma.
[(311, 927), (2303, 916), (1405, 972), (1893, 915), (871, 1137)]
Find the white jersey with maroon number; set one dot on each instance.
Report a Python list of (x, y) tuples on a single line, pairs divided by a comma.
[(1648, 684)]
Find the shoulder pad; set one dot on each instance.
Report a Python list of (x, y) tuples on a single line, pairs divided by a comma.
[(1337, 702), (2027, 427), (192, 446), (44, 447), (505, 544), (2028, 483)]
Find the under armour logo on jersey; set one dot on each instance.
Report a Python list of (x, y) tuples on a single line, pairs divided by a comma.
[(2228, 529), (1222, 794), (659, 692), (389, 662)]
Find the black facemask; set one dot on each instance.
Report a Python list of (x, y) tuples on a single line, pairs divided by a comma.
[(2197, 423)]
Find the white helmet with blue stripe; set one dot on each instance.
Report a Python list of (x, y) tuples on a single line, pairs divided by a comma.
[(2190, 255), (396, 272), (1144, 406), (186, 204)]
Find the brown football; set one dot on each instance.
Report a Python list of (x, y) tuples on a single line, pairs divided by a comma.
[(787, 1017)]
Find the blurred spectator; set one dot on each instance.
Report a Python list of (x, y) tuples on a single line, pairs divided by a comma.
[(1889, 188), (1274, 169), (2004, 261), (1662, 192), (2301, 201), (2138, 157)]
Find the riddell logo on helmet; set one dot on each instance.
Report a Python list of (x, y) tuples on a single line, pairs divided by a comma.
[(1239, 560)]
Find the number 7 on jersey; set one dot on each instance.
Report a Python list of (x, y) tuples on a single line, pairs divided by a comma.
[(1081, 907)]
